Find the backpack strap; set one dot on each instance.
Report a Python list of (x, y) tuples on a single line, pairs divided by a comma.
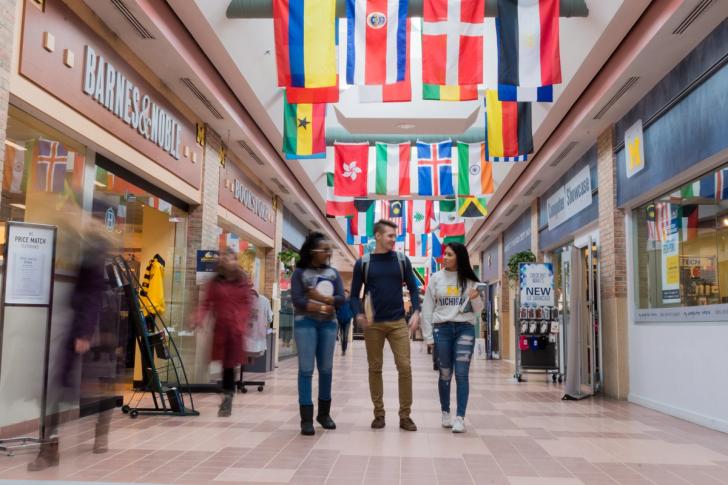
[(401, 260), (365, 267)]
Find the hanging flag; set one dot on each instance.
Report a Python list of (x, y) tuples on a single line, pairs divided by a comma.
[(392, 211), (451, 224), (434, 168), (305, 38), (436, 92), (13, 170), (328, 94), (351, 161), (454, 239), (376, 46), (335, 205), (472, 207), (362, 222), (651, 217), (419, 216), (539, 94), (689, 223), (390, 175), (417, 245), (436, 246), (508, 133), (703, 188), (304, 132), (48, 167), (475, 173), (528, 42), (452, 42), (721, 184), (352, 238), (397, 92)]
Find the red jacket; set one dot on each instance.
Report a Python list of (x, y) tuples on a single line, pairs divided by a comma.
[(230, 302)]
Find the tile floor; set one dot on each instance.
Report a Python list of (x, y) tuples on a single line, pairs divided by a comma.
[(518, 434)]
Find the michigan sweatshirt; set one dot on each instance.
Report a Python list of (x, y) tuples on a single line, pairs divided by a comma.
[(443, 302)]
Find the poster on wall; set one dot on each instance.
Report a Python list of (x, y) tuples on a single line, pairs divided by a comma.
[(29, 272), (634, 149), (536, 283), (671, 269), (206, 265)]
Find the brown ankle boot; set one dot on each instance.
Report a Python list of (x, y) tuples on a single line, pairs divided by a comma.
[(48, 456)]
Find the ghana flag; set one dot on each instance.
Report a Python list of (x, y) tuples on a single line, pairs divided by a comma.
[(304, 134)]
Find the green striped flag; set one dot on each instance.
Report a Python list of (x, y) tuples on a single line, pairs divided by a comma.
[(390, 175), (362, 222), (435, 92)]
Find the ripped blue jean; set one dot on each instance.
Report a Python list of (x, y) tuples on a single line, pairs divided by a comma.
[(454, 342)]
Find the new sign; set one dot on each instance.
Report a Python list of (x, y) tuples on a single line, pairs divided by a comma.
[(536, 282), (570, 199)]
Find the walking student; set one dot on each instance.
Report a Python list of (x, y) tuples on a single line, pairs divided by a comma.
[(344, 316), (448, 317), (229, 298), (316, 292), (382, 274)]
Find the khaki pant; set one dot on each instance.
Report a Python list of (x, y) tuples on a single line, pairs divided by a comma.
[(397, 333)]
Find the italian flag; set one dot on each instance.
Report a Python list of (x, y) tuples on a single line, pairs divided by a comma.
[(475, 173), (450, 223), (419, 216), (391, 172), (337, 205), (436, 92)]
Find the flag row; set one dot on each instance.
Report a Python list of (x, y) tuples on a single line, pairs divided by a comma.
[(378, 48)]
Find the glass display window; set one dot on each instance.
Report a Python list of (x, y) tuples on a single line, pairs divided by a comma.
[(681, 245)]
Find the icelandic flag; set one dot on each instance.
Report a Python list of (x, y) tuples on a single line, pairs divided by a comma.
[(305, 39), (434, 169), (528, 42), (376, 46)]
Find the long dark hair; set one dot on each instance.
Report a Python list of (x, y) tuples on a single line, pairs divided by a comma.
[(465, 271), (306, 252)]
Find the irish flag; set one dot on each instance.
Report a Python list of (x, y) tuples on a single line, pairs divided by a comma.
[(391, 171), (475, 173)]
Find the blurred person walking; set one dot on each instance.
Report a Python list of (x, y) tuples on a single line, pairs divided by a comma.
[(451, 301), (228, 298), (344, 316), (316, 292)]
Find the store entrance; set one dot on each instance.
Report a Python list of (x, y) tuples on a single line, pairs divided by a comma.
[(492, 322), (580, 318)]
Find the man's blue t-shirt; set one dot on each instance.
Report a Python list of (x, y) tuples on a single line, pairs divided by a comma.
[(384, 287)]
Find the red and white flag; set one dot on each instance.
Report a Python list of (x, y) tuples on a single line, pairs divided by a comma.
[(376, 41), (351, 162), (452, 42)]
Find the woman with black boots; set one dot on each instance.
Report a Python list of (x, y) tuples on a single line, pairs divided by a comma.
[(316, 291), (229, 298)]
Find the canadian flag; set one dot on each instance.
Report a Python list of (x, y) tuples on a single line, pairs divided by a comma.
[(351, 163), (452, 42)]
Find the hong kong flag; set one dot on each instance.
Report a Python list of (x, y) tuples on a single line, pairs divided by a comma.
[(452, 42), (351, 163)]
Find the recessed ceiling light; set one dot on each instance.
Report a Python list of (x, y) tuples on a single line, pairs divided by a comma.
[(15, 145), (405, 126)]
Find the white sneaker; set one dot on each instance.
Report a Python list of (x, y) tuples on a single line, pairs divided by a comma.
[(458, 424), (446, 420)]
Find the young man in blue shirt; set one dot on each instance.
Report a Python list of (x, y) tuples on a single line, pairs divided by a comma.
[(382, 275)]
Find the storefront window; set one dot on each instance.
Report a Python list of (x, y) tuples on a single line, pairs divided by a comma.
[(43, 183), (681, 245), (251, 258)]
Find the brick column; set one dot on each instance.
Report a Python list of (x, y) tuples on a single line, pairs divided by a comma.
[(613, 273), (7, 38)]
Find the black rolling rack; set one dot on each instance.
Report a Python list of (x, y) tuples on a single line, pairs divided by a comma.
[(154, 339)]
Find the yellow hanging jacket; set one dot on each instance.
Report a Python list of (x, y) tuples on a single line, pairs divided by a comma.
[(152, 289)]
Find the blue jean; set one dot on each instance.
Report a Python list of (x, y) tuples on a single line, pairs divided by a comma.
[(315, 341), (454, 342)]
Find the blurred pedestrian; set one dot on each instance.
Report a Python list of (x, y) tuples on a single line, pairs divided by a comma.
[(344, 316), (229, 298), (316, 291)]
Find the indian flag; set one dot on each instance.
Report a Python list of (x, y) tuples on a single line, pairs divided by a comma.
[(436, 92), (391, 172), (475, 173)]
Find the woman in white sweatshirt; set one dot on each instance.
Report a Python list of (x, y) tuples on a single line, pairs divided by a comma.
[(448, 315)]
